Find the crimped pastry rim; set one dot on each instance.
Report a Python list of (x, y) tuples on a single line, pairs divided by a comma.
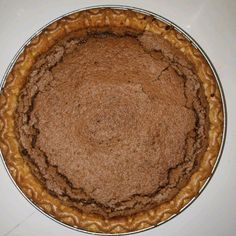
[(206, 62)]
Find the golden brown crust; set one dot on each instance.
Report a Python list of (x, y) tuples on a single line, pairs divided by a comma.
[(20, 171)]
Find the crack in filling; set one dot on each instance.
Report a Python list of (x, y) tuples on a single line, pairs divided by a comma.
[(113, 121)]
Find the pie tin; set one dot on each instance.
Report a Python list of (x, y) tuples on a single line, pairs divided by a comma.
[(186, 36)]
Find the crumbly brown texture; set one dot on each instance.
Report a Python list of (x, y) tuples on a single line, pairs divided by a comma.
[(113, 121)]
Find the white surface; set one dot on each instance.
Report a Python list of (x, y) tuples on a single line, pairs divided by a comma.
[(213, 25)]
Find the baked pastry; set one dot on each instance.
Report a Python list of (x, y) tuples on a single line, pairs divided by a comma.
[(113, 119)]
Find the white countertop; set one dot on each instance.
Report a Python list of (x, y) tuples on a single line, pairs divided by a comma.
[(213, 25)]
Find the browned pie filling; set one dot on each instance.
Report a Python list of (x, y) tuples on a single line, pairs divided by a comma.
[(113, 121)]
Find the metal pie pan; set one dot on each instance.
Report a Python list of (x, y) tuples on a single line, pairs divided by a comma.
[(193, 42)]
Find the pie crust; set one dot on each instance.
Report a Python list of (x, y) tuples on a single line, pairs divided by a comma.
[(33, 188)]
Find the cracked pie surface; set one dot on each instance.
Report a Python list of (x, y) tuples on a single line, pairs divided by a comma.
[(113, 122)]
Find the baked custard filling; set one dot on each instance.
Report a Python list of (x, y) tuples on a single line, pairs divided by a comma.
[(113, 121)]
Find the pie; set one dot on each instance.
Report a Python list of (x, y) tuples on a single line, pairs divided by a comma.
[(115, 117)]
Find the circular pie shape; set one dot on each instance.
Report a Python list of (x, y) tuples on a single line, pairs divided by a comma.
[(111, 120)]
